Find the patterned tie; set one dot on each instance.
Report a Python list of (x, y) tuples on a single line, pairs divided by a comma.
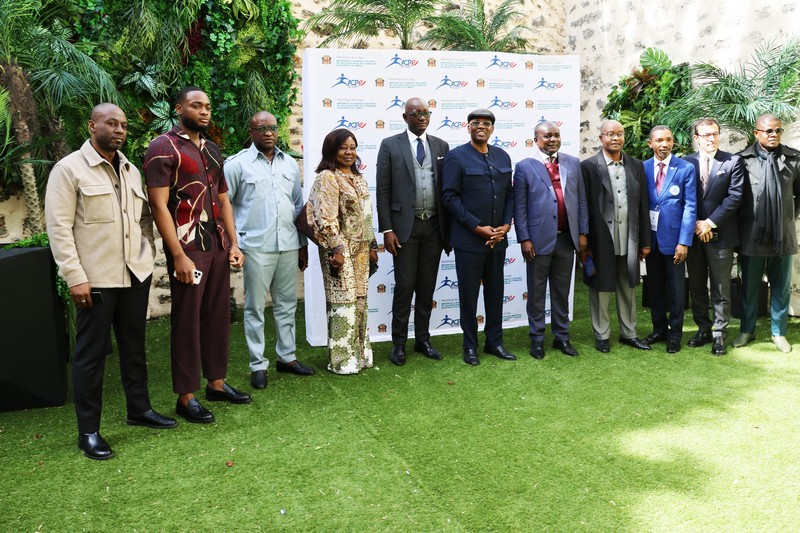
[(660, 177), (704, 172), (420, 151)]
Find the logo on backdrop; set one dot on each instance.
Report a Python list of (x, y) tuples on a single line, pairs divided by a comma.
[(502, 104), (508, 298), (509, 261), (349, 124), (452, 124), (404, 63), (447, 321), (452, 84), (495, 62), (447, 282), (347, 82), (548, 85), (396, 102), (556, 122), (500, 143)]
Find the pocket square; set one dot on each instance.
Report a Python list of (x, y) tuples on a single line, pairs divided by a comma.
[(439, 157)]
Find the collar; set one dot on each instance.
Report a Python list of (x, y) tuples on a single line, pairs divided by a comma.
[(412, 139), (665, 161), (704, 155), (94, 158), (544, 157), (183, 135), (609, 160), (253, 153)]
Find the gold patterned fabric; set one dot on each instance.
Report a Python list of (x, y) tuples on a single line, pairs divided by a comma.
[(341, 213)]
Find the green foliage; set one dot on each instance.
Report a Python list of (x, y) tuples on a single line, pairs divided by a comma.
[(469, 27), (767, 83), (350, 21), (41, 240), (638, 101)]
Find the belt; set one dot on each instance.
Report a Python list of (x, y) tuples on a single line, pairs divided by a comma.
[(425, 216)]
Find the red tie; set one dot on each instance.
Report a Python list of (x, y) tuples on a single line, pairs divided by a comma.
[(660, 178), (555, 179)]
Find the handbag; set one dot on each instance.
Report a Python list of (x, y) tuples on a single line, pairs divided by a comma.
[(302, 225)]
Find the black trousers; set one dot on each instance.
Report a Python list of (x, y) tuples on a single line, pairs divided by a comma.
[(126, 310), (472, 269), (667, 290), (416, 267)]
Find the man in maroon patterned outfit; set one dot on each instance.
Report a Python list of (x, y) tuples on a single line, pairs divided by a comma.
[(188, 197)]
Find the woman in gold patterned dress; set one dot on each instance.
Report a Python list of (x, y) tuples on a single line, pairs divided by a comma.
[(340, 210)]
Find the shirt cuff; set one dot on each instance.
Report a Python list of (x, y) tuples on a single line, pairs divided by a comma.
[(711, 223)]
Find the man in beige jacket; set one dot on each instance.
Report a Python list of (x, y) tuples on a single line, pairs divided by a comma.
[(101, 236)]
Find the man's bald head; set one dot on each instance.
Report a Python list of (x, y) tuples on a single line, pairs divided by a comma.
[(264, 132), (417, 115), (103, 109), (108, 127)]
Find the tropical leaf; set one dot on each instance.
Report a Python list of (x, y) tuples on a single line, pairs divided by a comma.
[(164, 115), (655, 60)]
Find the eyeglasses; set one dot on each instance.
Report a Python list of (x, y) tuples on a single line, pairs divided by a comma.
[(776, 131), (264, 129), (613, 135), (417, 114), (478, 123), (708, 136)]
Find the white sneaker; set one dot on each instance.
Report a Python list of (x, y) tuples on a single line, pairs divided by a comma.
[(781, 343)]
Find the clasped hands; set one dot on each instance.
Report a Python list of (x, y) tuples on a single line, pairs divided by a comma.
[(492, 235)]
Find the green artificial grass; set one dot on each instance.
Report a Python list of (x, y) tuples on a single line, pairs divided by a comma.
[(629, 441)]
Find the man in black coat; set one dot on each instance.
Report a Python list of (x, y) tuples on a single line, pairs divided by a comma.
[(413, 221), (619, 235)]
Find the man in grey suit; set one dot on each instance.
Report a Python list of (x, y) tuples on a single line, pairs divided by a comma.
[(552, 222), (768, 239), (619, 235), (412, 219), (720, 178)]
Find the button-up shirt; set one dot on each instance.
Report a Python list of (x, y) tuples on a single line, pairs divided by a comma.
[(619, 188), (194, 177), (266, 198)]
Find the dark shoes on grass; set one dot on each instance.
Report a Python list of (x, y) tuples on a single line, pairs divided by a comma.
[(94, 446)]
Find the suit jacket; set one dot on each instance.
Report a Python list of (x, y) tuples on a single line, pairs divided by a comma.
[(677, 204), (789, 168), (536, 205), (396, 188), (600, 201), (477, 191), (722, 196)]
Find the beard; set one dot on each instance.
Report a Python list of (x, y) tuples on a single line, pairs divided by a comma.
[(191, 124)]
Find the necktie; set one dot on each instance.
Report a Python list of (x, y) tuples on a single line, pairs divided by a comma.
[(555, 179), (704, 172), (420, 151), (660, 178)]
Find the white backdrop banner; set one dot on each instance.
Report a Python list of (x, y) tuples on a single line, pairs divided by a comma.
[(365, 91)]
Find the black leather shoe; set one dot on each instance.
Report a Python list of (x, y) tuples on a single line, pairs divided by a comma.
[(194, 412), (94, 446), (153, 420), (295, 367), (426, 349), (653, 338), (635, 343), (258, 379), (500, 352), (565, 347), (471, 356), (701, 338), (227, 394), (537, 349), (673, 345), (398, 356), (719, 346), (602, 345)]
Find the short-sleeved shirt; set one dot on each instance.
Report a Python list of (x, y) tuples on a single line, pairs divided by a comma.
[(195, 180)]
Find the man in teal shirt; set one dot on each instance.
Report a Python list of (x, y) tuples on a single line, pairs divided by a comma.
[(264, 188)]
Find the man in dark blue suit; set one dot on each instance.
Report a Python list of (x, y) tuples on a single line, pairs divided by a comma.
[(552, 221), (719, 179), (673, 201), (476, 189)]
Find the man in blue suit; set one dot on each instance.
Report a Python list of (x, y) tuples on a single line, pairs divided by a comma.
[(552, 221), (476, 189), (673, 201)]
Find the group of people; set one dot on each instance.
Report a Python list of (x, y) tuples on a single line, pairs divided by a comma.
[(611, 211)]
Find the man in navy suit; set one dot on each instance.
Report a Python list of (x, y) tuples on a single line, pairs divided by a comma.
[(673, 201), (552, 222), (476, 189), (719, 179), (413, 221)]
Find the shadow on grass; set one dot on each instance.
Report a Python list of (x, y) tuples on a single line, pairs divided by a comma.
[(563, 444)]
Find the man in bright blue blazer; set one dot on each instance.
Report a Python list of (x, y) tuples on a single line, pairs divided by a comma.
[(673, 211), (552, 222)]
